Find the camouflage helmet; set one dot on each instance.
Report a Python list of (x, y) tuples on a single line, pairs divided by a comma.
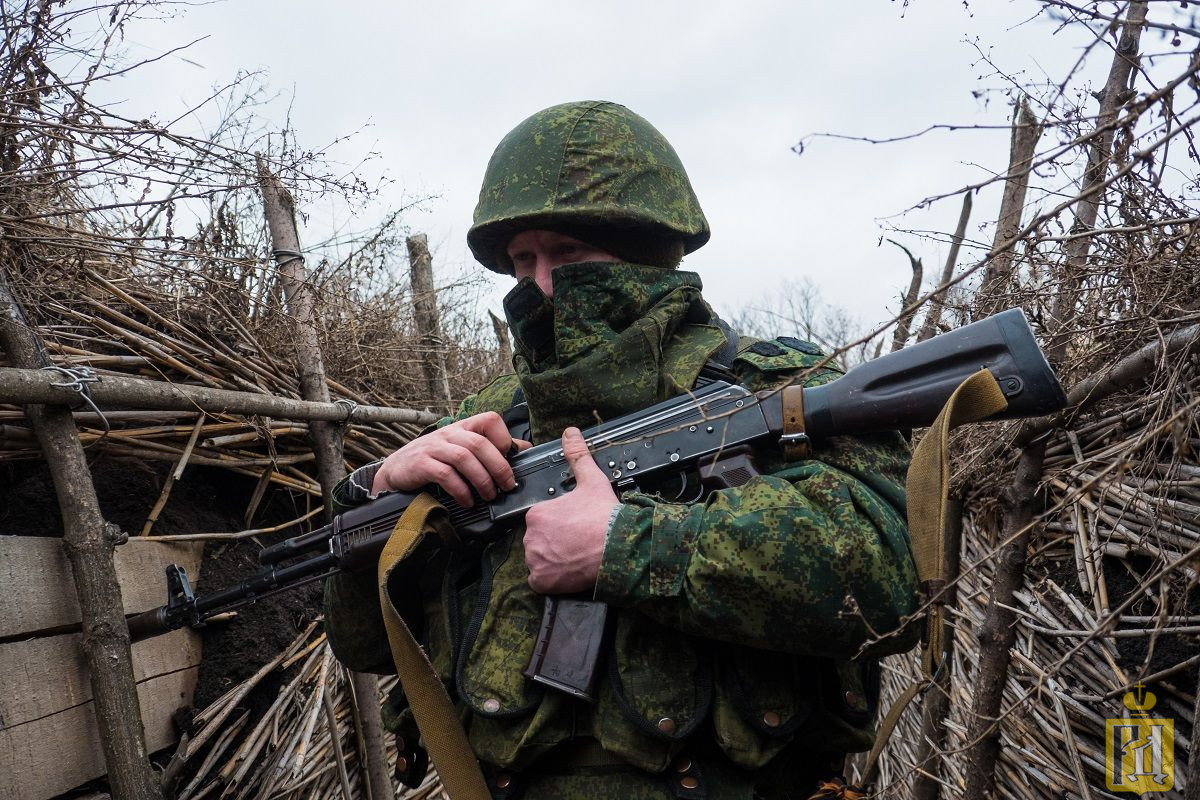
[(580, 167)]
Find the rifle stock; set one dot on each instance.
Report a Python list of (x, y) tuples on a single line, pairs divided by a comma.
[(908, 388)]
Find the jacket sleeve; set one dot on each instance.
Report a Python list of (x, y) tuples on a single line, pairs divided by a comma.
[(811, 557)]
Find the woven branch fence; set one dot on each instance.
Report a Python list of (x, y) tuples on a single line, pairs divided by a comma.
[(1109, 601)]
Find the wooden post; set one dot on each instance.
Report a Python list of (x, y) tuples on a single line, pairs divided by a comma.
[(25, 386), (88, 541), (326, 436), (298, 295), (933, 317), (998, 630), (429, 328), (1026, 131)]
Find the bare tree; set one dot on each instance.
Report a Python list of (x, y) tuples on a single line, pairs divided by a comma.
[(798, 309)]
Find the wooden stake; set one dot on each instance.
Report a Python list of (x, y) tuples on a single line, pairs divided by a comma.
[(326, 438), (88, 541), (370, 718), (1026, 131), (429, 328), (298, 295), (934, 316), (998, 631)]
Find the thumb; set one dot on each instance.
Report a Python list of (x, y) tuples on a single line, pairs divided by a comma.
[(575, 450)]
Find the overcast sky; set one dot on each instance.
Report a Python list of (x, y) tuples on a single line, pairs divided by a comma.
[(733, 86)]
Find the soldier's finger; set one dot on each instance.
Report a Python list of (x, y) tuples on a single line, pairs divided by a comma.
[(447, 477), (467, 464), (491, 425), (493, 460), (575, 450)]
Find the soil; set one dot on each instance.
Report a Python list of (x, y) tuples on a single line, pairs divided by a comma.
[(1168, 650), (206, 499), (1133, 653)]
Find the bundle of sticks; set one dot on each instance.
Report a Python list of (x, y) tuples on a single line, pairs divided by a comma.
[(302, 746), (118, 327), (153, 324), (1105, 606)]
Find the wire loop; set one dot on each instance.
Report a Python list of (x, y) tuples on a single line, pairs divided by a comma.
[(77, 380), (283, 257), (350, 407)]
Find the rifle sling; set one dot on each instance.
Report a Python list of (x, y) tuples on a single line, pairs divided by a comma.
[(444, 736), (976, 398), (795, 440)]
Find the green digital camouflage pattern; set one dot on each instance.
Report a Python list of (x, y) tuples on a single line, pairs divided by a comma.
[(728, 568), (612, 348), (590, 163), (731, 615)]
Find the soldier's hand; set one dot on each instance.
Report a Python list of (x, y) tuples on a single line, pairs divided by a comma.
[(564, 537), (469, 453)]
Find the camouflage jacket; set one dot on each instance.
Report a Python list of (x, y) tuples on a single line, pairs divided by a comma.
[(736, 617)]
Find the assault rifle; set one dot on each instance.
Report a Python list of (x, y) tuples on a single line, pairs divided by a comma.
[(711, 433)]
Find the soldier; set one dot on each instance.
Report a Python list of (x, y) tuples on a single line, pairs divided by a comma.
[(726, 672)]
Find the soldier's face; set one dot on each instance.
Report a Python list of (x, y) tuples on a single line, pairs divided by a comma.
[(537, 253)]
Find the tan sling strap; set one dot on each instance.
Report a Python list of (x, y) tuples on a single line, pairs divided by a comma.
[(436, 717), (976, 398), (795, 442)]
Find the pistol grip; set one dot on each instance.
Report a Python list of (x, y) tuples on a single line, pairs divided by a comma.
[(729, 468)]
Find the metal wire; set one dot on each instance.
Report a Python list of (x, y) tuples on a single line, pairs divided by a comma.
[(286, 256), (350, 407), (78, 379)]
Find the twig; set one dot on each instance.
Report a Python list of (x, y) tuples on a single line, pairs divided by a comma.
[(216, 537), (173, 476)]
